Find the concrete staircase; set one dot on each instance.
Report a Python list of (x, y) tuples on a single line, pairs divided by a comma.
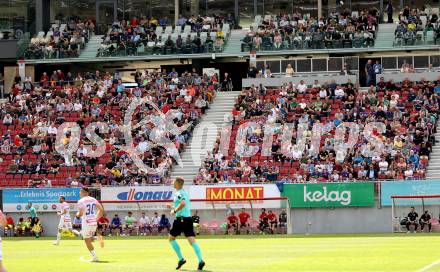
[(433, 170), (234, 43), (91, 49), (204, 136), (385, 36)]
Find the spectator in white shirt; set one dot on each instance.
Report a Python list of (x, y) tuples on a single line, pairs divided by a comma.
[(144, 224), (339, 92), (323, 93), (155, 221), (7, 120), (383, 166), (52, 130), (77, 106), (302, 87)]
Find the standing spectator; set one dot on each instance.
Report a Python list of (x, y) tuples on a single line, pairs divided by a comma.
[(282, 218), (390, 10), (244, 220), (227, 83), (377, 70), (252, 72), (116, 224), (425, 220), (232, 223), (196, 222), (289, 70), (144, 224), (103, 225), (369, 72), (412, 220)]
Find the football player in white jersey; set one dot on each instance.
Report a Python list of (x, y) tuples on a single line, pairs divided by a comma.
[(2, 223), (65, 219), (89, 210)]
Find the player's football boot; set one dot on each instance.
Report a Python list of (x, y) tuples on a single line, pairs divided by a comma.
[(201, 265), (180, 264)]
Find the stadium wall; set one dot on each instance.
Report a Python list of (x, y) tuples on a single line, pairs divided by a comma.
[(341, 220), (322, 220)]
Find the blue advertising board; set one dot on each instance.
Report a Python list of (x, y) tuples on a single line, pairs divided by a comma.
[(44, 199), (410, 188)]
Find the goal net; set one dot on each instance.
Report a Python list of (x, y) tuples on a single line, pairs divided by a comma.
[(402, 205), (213, 213)]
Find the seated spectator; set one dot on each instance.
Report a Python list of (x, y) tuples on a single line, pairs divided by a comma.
[(129, 223), (76, 224), (273, 221), (9, 227), (155, 221), (196, 222), (103, 225), (412, 220), (244, 220), (116, 225), (22, 227), (164, 223), (144, 224), (425, 220), (232, 222)]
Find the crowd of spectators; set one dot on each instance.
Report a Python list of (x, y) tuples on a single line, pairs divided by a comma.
[(295, 31), (35, 110), (61, 41), (196, 34), (414, 25), (408, 110)]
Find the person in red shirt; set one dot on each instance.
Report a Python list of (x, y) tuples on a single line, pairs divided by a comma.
[(103, 224), (9, 227), (232, 222), (272, 218), (263, 214), (264, 221), (244, 218)]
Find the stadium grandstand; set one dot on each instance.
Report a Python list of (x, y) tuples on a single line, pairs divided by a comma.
[(219, 118)]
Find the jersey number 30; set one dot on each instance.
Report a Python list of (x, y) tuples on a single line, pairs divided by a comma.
[(90, 209)]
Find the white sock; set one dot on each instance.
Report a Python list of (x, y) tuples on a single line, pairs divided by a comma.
[(58, 237), (76, 232), (93, 253)]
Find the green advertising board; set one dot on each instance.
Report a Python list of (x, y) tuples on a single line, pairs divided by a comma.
[(329, 195)]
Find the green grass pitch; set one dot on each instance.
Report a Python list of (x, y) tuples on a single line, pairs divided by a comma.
[(398, 252)]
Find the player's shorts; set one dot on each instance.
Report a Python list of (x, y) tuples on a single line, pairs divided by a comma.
[(88, 231), (65, 223), (183, 224), (33, 221)]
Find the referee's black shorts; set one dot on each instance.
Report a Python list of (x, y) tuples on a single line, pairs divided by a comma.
[(34, 221), (183, 224)]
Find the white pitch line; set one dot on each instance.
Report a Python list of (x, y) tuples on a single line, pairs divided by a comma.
[(429, 266)]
